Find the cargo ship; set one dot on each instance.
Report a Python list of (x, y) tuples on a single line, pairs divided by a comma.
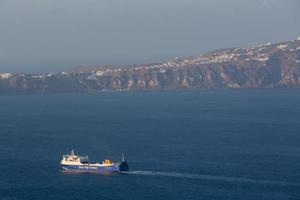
[(75, 163)]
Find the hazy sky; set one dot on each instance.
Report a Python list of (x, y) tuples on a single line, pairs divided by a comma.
[(51, 35)]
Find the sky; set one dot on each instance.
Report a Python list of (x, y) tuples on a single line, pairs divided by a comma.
[(56, 35)]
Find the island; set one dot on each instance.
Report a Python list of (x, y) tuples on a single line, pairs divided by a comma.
[(261, 66)]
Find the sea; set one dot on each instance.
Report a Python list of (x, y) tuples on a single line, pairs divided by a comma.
[(216, 144)]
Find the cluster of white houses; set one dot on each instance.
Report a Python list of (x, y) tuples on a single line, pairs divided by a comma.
[(255, 53), (5, 75)]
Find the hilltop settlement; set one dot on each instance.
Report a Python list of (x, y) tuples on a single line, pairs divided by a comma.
[(262, 66)]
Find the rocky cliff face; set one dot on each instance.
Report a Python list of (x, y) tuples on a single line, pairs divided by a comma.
[(263, 66)]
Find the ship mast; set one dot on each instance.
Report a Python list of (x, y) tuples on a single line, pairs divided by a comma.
[(123, 159)]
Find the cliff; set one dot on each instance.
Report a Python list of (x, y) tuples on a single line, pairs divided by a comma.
[(262, 66)]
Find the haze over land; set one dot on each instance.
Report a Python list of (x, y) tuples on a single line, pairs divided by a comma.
[(261, 66), (53, 35)]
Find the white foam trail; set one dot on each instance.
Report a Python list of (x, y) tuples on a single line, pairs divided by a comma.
[(211, 178)]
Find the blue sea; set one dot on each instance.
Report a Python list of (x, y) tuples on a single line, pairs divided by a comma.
[(221, 144)]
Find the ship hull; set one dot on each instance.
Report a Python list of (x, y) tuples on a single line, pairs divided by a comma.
[(90, 168)]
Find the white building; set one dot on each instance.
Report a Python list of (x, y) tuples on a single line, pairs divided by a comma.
[(5, 75), (38, 76), (282, 46), (99, 73)]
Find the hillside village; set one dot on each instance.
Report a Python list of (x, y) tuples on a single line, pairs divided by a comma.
[(217, 69)]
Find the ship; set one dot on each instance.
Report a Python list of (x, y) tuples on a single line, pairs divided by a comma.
[(75, 163)]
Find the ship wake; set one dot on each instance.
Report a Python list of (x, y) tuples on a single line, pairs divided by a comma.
[(212, 178)]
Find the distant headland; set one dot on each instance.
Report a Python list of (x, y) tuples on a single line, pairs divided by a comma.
[(262, 66)]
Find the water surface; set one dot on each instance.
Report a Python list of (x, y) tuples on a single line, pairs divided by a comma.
[(227, 144)]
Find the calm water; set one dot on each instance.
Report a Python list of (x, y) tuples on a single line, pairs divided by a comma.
[(180, 145)]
